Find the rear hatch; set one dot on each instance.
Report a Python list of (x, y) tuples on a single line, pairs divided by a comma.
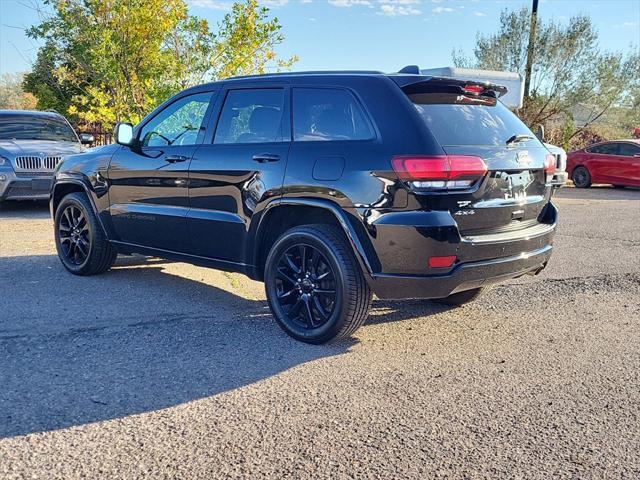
[(497, 180)]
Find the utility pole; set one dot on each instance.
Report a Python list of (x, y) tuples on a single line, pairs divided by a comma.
[(532, 41)]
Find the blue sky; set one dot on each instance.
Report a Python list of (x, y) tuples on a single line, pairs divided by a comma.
[(367, 34)]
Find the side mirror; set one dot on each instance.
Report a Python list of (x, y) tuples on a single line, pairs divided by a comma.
[(86, 139), (123, 134), (540, 133)]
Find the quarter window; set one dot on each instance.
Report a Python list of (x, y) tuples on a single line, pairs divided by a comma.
[(328, 114), (251, 116), (628, 149), (178, 124)]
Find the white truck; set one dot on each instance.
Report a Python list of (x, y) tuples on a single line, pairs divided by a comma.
[(512, 99)]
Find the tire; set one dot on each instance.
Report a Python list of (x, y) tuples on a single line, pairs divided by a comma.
[(82, 246), (618, 186), (460, 298), (303, 267), (581, 177)]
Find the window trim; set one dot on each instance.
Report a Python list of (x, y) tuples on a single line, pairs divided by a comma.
[(365, 113), (286, 129)]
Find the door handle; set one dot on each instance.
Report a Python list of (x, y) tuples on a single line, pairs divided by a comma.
[(176, 158), (266, 157)]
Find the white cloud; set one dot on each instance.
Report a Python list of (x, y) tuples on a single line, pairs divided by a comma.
[(274, 3), (480, 14), (212, 4), (348, 3), (227, 4), (626, 25), (442, 10), (398, 10)]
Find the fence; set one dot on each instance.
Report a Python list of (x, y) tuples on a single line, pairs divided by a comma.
[(100, 138)]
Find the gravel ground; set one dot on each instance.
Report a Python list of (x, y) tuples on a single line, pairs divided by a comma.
[(166, 370)]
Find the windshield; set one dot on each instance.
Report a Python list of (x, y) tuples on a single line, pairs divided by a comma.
[(456, 119), (23, 127)]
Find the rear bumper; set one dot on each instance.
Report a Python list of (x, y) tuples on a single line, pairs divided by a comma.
[(463, 277), (559, 179), (404, 241)]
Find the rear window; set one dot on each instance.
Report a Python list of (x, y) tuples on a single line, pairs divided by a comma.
[(456, 119)]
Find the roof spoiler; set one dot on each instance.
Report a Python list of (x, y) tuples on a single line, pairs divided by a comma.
[(424, 84), (412, 69)]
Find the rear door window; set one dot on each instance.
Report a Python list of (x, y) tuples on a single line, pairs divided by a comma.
[(325, 114), (251, 116), (605, 149), (456, 119)]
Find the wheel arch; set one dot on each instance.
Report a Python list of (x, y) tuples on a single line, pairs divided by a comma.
[(290, 212), (64, 187)]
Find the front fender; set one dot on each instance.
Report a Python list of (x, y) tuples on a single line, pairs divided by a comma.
[(66, 183)]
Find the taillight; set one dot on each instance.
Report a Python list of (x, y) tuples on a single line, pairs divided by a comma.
[(549, 163), (439, 171)]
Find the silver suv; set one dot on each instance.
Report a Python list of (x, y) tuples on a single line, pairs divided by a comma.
[(31, 145)]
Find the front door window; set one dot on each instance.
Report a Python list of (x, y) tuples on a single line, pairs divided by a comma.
[(178, 124)]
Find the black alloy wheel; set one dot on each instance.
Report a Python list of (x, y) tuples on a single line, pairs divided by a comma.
[(581, 177), (82, 245), (73, 232), (305, 286), (315, 286)]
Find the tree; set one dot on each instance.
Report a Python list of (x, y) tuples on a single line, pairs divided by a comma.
[(12, 96), (569, 70), (51, 92), (118, 59)]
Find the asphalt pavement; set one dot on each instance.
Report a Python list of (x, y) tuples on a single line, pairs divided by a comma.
[(166, 370)]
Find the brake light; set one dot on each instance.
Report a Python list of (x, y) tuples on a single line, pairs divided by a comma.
[(476, 89), (439, 171), (549, 163)]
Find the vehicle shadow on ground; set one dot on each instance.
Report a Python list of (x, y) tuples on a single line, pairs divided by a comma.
[(80, 350), (25, 209)]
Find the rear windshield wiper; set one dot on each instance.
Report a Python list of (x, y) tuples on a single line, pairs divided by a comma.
[(518, 138)]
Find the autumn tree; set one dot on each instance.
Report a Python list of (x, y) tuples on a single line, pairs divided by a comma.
[(121, 58), (12, 96), (569, 68)]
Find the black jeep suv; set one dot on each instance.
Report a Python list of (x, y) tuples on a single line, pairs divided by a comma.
[(327, 186)]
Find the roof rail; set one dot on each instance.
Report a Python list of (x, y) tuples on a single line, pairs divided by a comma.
[(411, 69), (307, 72)]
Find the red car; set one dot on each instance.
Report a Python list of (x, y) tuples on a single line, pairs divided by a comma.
[(617, 163)]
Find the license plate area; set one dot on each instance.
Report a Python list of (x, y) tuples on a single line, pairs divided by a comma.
[(41, 184), (513, 185)]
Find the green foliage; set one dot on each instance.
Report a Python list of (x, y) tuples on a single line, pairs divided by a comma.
[(51, 92), (569, 69), (110, 60), (12, 96)]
